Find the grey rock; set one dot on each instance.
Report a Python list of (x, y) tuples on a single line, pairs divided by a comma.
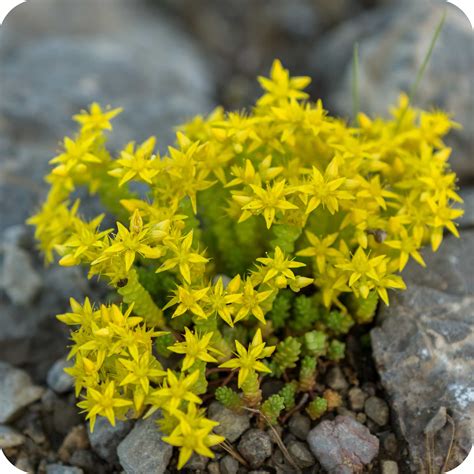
[(9, 437), (342, 446), (255, 446), (85, 459), (16, 392), (213, 468), (299, 425), (60, 469), (228, 465), (377, 410), (105, 438), (19, 236), (393, 42), (424, 349), (197, 462), (57, 379), (231, 424), (300, 453), (389, 467), (143, 451), (466, 221), (18, 277), (65, 416), (336, 379), (357, 398)]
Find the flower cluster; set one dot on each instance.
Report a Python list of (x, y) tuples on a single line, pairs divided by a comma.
[(244, 211)]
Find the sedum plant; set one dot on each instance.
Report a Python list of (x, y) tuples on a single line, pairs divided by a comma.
[(248, 251)]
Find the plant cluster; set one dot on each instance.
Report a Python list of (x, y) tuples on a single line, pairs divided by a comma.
[(247, 252)]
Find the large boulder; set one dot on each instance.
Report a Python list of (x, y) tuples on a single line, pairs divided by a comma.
[(393, 42), (424, 352)]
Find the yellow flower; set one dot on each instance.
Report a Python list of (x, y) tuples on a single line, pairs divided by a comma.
[(189, 299), (195, 347), (249, 302), (407, 246), (137, 163), (176, 390), (140, 369), (321, 249), (324, 190), (267, 201), (281, 87), (193, 435), (247, 360), (128, 242), (279, 266), (102, 401), (96, 119), (184, 257), (220, 301)]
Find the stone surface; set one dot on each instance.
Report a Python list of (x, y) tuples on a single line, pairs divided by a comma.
[(60, 469), (57, 379), (143, 451), (393, 42), (231, 424), (377, 410), (19, 279), (228, 465), (300, 453), (255, 446), (389, 467), (105, 438), (424, 350), (336, 379), (299, 425), (16, 392), (342, 446), (9, 437), (467, 220), (357, 398)]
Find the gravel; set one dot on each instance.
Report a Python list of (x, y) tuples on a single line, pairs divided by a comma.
[(377, 410)]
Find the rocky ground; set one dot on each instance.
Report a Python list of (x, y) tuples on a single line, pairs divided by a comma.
[(401, 394)]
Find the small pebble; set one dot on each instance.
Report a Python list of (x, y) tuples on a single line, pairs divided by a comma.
[(390, 444), (60, 469), (361, 417), (16, 392), (345, 412), (377, 410), (57, 379), (105, 438), (213, 468), (75, 440), (299, 425), (301, 453), (231, 425), (357, 398), (197, 462), (255, 446), (10, 438), (389, 467), (84, 459), (335, 379), (228, 465)]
